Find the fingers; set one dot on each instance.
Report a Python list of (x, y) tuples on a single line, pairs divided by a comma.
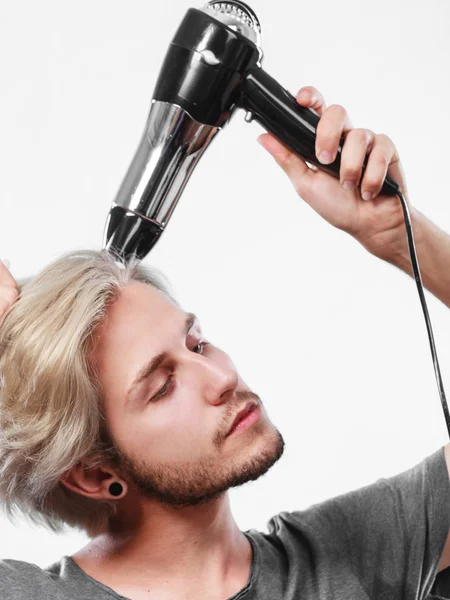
[(354, 150), (310, 97), (382, 154), (8, 295), (335, 127), (333, 123), (396, 172), (8, 289), (294, 166), (5, 276)]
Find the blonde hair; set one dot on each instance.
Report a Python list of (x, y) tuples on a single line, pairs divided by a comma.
[(50, 402)]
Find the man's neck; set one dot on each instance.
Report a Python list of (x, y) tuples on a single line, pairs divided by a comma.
[(162, 547)]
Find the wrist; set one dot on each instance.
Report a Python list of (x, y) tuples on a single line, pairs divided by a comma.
[(391, 245), (432, 246)]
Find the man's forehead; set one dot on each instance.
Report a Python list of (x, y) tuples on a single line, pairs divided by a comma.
[(137, 291), (144, 318), (139, 306), (143, 299)]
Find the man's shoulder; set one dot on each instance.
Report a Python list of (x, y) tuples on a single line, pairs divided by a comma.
[(13, 567), (20, 580)]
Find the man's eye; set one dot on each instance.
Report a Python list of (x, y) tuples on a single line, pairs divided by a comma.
[(164, 390), (200, 344), (169, 383)]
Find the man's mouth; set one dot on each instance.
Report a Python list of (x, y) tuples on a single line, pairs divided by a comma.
[(246, 417)]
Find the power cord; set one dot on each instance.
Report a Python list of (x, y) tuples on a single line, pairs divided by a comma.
[(418, 278)]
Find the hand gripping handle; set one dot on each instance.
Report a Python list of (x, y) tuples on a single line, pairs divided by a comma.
[(294, 125)]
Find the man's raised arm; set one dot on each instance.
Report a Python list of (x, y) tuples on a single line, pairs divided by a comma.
[(377, 224), (433, 254)]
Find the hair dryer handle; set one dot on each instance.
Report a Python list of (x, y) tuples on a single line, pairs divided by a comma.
[(280, 114)]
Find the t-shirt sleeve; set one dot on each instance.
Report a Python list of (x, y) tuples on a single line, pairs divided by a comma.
[(21, 581), (392, 533)]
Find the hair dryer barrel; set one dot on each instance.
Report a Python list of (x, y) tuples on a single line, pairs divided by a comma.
[(194, 96), (170, 147)]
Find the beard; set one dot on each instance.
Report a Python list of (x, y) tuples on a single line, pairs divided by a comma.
[(190, 484)]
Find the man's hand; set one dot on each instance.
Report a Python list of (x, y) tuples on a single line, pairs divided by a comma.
[(8, 289), (378, 224)]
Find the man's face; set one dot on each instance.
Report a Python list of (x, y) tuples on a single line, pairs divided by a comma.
[(171, 430)]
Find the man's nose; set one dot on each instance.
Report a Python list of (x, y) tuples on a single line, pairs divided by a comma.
[(217, 379)]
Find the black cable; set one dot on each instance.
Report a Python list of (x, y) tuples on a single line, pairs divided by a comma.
[(417, 277)]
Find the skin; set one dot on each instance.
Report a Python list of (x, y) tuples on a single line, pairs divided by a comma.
[(8, 289), (174, 528), (176, 461), (377, 224)]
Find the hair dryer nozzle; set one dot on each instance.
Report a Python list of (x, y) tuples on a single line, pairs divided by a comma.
[(128, 235)]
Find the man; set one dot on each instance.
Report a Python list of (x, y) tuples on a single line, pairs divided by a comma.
[(116, 415)]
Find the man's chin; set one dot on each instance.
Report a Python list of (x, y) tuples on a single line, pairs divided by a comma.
[(255, 465), (188, 486), (250, 468)]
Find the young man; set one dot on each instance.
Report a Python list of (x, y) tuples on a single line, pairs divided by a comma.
[(117, 416)]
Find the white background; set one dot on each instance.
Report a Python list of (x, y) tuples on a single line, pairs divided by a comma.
[(332, 339)]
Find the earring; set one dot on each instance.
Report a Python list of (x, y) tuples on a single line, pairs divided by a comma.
[(115, 489)]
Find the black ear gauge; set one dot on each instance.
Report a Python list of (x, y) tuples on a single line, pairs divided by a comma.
[(115, 489)]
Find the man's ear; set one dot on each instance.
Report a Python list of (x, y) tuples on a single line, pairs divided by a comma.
[(93, 482)]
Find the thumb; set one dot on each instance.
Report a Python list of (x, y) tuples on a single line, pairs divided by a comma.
[(294, 166)]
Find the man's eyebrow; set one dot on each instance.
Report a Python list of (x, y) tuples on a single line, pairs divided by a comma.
[(150, 367)]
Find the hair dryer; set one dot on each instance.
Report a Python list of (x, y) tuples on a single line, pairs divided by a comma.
[(212, 67)]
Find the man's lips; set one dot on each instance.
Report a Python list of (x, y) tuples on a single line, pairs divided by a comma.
[(249, 406)]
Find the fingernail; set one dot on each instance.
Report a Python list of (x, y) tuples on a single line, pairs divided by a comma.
[(6, 262), (304, 96), (325, 157), (367, 196), (348, 185)]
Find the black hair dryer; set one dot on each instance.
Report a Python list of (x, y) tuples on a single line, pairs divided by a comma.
[(212, 67)]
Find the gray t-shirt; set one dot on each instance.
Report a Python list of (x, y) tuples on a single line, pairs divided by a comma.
[(380, 542)]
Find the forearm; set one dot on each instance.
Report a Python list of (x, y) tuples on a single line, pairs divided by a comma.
[(433, 255)]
